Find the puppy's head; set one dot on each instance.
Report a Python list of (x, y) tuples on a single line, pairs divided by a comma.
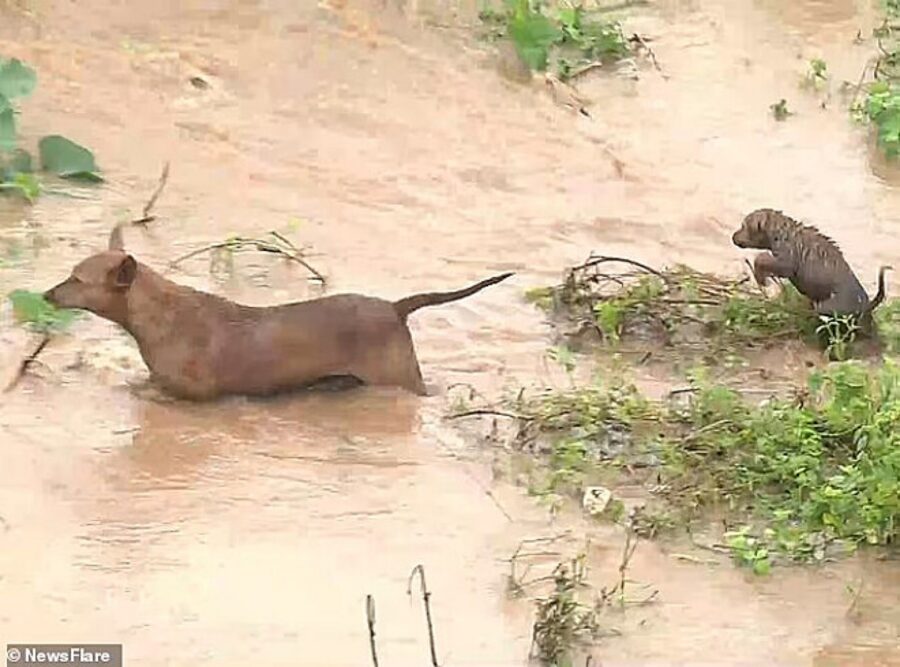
[(754, 231), (99, 284)]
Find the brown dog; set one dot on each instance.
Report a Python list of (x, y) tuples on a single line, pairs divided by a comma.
[(200, 346), (810, 260)]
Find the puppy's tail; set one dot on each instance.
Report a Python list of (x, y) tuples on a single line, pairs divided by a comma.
[(879, 296), (412, 303)]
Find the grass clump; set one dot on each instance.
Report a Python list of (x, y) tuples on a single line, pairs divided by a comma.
[(564, 38), (562, 622), (799, 477)]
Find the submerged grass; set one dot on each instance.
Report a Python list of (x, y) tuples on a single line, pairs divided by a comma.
[(800, 477)]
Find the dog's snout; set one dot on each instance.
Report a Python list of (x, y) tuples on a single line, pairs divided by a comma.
[(50, 295)]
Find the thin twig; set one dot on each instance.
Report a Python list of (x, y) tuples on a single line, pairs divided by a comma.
[(426, 597), (259, 244), (26, 362), (148, 207), (370, 619), (581, 71), (594, 261), (486, 411), (625, 4), (643, 43)]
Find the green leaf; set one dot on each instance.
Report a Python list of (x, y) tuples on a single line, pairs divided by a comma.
[(5, 103), (26, 184), (32, 309), (67, 159), (7, 130), (16, 79), (533, 34)]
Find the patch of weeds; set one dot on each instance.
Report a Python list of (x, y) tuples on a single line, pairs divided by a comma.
[(887, 320), (780, 110), (32, 310), (562, 622), (880, 105), (566, 40), (817, 74), (748, 551), (675, 307), (839, 333), (58, 155), (807, 476), (564, 357)]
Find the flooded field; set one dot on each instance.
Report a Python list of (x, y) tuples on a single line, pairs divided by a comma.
[(390, 139)]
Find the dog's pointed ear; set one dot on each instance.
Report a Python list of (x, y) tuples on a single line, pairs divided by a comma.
[(115, 239), (123, 274)]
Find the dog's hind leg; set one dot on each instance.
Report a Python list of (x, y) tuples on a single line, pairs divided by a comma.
[(392, 363)]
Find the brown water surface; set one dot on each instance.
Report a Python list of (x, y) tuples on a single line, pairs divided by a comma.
[(251, 531)]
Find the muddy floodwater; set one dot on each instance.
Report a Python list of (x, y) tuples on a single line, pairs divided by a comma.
[(389, 139)]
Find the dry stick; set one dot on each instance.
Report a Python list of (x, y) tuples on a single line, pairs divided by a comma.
[(643, 42), (581, 71), (426, 595), (370, 619), (484, 411), (260, 244), (26, 362), (148, 207), (594, 261)]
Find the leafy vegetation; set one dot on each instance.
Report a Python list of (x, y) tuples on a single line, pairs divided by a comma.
[(799, 477), (881, 103), (780, 110), (58, 155), (566, 39), (675, 307), (32, 310), (561, 620)]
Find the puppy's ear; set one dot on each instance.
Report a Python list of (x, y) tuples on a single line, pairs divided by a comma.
[(115, 238), (122, 275)]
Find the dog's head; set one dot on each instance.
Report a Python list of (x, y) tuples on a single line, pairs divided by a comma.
[(99, 284), (754, 231)]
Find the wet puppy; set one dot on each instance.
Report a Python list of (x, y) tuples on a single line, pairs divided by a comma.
[(200, 346), (811, 261)]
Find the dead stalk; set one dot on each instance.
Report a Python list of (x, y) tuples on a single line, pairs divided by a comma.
[(26, 362), (370, 619), (426, 598), (261, 245), (148, 207)]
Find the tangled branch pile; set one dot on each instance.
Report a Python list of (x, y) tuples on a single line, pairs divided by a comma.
[(619, 297)]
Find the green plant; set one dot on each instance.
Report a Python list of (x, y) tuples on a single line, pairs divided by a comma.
[(561, 620), (780, 110), (882, 107), (839, 333), (887, 321), (570, 38), (817, 74), (58, 155), (563, 356), (748, 551), (32, 310)]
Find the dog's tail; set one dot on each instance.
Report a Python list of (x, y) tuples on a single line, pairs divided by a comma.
[(412, 303), (879, 296)]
